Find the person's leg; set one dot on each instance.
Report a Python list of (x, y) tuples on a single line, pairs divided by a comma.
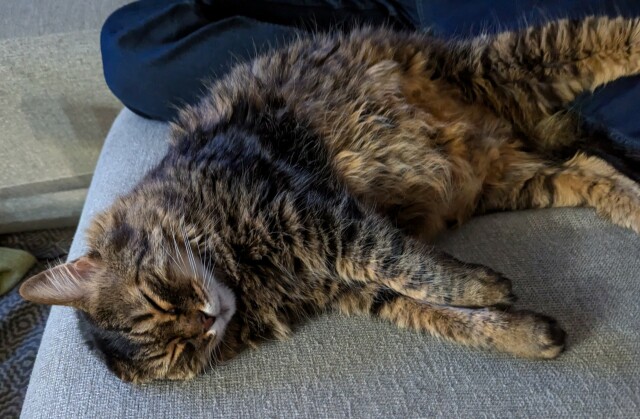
[(157, 53)]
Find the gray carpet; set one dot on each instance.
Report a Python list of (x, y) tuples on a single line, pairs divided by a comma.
[(21, 322)]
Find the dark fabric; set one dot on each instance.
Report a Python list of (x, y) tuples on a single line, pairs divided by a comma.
[(157, 53)]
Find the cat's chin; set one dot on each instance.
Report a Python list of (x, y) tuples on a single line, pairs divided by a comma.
[(216, 331), (221, 304)]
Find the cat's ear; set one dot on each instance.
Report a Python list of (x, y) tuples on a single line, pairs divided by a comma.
[(69, 284)]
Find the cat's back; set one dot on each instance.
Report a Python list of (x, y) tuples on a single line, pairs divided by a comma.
[(313, 76), (370, 104)]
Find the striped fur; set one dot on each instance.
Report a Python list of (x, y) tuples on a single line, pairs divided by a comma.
[(313, 178)]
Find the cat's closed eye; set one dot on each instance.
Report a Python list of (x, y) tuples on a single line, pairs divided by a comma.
[(161, 307)]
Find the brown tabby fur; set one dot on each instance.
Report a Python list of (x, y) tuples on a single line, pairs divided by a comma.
[(312, 178)]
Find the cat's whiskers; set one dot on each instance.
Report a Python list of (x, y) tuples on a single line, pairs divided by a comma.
[(209, 353), (167, 252), (210, 266), (206, 274), (177, 250), (189, 251), (213, 355), (206, 268)]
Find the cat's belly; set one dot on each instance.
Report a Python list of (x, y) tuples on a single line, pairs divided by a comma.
[(425, 190), (430, 170)]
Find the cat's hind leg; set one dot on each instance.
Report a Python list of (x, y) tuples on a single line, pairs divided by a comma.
[(521, 333), (530, 76), (581, 181)]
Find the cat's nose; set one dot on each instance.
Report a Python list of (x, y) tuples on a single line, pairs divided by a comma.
[(206, 320)]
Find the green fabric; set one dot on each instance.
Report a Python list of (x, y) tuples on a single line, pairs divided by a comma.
[(14, 264)]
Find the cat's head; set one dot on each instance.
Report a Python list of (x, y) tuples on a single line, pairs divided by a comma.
[(152, 303)]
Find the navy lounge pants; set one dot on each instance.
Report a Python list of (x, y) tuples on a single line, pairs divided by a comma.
[(157, 53)]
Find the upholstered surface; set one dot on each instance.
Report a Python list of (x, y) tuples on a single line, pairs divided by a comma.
[(566, 263)]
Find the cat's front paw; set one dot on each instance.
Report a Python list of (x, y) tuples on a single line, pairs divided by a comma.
[(485, 288), (530, 335)]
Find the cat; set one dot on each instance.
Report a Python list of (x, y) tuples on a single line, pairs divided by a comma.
[(316, 177)]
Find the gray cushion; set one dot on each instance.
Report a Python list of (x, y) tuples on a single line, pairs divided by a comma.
[(567, 263)]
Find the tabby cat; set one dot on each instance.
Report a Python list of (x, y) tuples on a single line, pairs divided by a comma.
[(314, 177)]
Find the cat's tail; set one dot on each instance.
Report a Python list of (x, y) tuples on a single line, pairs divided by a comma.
[(531, 76)]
